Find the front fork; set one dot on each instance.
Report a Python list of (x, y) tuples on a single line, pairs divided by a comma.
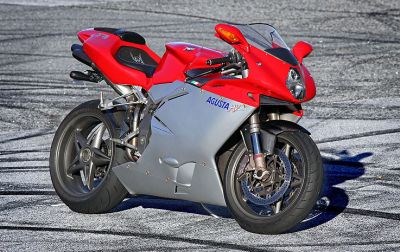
[(258, 154), (262, 145)]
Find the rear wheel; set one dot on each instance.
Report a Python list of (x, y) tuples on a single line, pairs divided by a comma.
[(81, 159), (285, 195)]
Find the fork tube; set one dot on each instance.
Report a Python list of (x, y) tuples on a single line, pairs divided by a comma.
[(258, 155), (255, 141), (255, 133)]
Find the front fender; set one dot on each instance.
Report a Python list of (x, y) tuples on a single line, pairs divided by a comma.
[(269, 131), (276, 127)]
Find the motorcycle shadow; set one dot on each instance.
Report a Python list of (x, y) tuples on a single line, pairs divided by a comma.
[(333, 202), (184, 206)]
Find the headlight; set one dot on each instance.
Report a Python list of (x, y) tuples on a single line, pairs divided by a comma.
[(295, 84)]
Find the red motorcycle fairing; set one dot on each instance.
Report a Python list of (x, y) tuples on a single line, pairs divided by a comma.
[(267, 76), (267, 73)]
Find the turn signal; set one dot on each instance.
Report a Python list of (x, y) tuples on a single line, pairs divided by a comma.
[(228, 36)]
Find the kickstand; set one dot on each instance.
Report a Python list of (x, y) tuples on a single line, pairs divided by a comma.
[(208, 210)]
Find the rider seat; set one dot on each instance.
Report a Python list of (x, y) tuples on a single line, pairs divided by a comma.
[(127, 36), (132, 56)]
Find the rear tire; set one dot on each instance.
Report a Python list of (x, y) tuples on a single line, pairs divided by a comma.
[(109, 191), (294, 212)]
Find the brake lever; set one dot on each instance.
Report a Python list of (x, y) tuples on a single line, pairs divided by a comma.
[(231, 68), (211, 71), (232, 65)]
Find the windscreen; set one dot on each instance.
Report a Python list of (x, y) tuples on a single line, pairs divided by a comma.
[(262, 36)]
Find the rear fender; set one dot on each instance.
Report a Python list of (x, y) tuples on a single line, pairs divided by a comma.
[(116, 115)]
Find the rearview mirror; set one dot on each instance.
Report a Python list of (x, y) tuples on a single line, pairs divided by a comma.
[(231, 34), (301, 50)]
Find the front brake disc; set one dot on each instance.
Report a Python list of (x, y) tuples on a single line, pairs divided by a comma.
[(275, 196)]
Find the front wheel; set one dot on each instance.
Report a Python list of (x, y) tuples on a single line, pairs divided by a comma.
[(285, 195)]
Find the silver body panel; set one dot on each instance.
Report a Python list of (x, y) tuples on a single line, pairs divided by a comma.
[(187, 131)]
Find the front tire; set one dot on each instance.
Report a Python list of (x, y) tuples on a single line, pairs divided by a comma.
[(81, 159), (246, 202)]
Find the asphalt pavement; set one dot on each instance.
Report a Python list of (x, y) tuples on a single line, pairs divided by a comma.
[(355, 120)]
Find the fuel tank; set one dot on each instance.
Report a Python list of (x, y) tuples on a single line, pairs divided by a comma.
[(180, 57)]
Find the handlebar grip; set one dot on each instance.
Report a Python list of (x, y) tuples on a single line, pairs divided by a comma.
[(218, 60)]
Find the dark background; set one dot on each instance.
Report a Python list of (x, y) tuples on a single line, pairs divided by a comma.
[(354, 119)]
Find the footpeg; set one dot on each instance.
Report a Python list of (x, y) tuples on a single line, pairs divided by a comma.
[(123, 143), (90, 76)]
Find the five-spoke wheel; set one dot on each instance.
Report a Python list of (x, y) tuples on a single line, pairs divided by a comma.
[(82, 157), (92, 158)]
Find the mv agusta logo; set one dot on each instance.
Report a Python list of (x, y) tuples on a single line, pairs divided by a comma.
[(100, 35), (220, 103), (137, 59)]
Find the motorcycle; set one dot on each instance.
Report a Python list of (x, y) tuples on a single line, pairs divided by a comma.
[(196, 124)]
